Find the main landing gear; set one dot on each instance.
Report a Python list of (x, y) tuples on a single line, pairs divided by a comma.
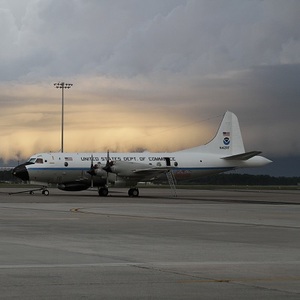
[(103, 192), (132, 192)]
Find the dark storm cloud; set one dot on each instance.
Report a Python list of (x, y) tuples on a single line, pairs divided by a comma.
[(129, 37), (266, 99)]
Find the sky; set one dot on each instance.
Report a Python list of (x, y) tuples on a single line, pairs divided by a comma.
[(152, 74)]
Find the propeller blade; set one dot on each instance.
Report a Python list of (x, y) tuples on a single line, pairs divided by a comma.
[(107, 167), (91, 171)]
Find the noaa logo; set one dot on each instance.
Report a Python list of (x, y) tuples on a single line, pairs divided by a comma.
[(226, 141)]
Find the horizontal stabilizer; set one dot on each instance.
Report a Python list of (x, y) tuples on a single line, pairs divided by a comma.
[(242, 156)]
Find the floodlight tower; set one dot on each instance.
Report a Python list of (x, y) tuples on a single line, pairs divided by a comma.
[(62, 86)]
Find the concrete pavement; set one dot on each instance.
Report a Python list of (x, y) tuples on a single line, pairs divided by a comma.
[(200, 245)]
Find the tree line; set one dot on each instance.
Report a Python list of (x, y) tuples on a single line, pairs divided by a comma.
[(220, 179), (245, 179)]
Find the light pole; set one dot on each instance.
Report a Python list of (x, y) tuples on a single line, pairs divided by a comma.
[(62, 86)]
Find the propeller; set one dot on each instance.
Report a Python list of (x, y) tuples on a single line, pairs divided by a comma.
[(95, 171), (108, 166), (91, 171)]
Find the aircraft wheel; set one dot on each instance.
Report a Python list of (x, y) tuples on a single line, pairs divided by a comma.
[(31, 192), (103, 191), (133, 192), (45, 192)]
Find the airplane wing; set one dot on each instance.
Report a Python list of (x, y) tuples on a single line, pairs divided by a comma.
[(242, 156)]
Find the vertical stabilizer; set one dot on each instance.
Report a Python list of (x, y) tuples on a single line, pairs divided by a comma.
[(228, 140)]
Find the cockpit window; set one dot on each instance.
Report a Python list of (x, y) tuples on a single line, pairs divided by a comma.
[(39, 161), (32, 160)]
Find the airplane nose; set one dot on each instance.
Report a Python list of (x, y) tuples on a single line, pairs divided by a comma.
[(21, 172)]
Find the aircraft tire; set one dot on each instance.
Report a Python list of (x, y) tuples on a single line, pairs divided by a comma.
[(134, 192), (45, 192), (103, 192)]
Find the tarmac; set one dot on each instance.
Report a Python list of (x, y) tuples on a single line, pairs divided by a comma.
[(202, 244)]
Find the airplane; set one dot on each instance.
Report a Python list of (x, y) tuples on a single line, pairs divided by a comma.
[(81, 171)]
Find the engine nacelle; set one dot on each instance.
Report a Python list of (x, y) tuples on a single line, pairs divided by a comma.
[(100, 172), (73, 186), (97, 170), (123, 168)]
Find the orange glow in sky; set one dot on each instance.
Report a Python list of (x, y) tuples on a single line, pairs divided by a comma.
[(96, 119)]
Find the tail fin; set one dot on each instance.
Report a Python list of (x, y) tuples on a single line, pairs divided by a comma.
[(228, 140)]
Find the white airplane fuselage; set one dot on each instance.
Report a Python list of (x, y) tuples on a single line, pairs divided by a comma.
[(79, 171), (61, 167)]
